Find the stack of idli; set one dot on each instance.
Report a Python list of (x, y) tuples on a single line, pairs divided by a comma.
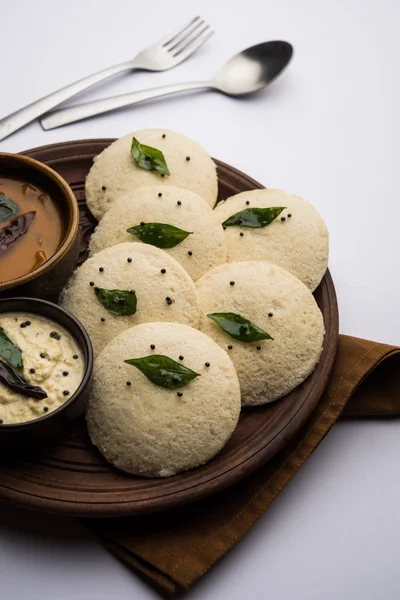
[(203, 248), (153, 282), (297, 240), (175, 360), (115, 173), (154, 431), (279, 304)]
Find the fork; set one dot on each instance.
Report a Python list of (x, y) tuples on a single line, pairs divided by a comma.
[(169, 52)]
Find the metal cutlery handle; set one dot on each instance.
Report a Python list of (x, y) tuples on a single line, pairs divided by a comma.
[(90, 109), (31, 112)]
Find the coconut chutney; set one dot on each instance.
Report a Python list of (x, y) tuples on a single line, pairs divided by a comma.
[(51, 359)]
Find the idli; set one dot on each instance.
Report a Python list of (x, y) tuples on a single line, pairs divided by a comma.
[(154, 431), (115, 172), (297, 240), (202, 249), (278, 304), (128, 284)]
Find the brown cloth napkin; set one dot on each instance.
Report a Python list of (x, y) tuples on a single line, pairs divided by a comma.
[(173, 550)]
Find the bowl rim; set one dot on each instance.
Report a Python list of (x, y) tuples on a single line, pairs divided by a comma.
[(71, 232), (88, 367)]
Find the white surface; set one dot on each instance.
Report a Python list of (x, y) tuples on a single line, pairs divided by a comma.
[(328, 130)]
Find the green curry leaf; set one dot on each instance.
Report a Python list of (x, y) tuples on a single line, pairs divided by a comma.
[(8, 208), (148, 158), (254, 217), (161, 235), (9, 351), (163, 371), (239, 328), (118, 302)]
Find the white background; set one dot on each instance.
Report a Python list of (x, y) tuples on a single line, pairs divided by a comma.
[(329, 130)]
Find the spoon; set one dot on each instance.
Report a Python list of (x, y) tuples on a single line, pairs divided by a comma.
[(245, 73)]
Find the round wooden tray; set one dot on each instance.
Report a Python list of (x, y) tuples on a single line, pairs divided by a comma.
[(72, 478)]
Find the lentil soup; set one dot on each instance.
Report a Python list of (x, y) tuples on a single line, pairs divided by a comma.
[(31, 229)]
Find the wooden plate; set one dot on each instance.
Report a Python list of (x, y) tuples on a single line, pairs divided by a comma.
[(72, 478)]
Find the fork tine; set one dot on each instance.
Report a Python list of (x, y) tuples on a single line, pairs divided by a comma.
[(178, 39), (188, 39), (195, 44), (171, 36)]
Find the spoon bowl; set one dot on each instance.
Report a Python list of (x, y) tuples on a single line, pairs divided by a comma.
[(253, 68)]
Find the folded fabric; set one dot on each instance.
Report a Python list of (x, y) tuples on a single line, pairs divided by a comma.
[(173, 553)]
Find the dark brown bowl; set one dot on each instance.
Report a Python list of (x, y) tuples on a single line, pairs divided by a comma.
[(47, 280), (52, 425)]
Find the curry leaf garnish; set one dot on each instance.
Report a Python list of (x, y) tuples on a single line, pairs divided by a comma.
[(16, 383), (161, 235), (254, 217), (8, 208), (148, 158), (239, 327), (119, 302), (15, 229), (163, 371), (9, 351)]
